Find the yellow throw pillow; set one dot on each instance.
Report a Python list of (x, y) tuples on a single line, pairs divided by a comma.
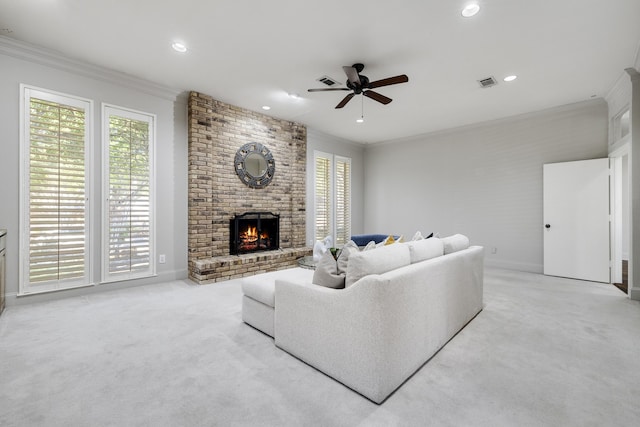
[(389, 240)]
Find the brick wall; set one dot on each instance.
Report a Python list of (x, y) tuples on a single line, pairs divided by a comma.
[(216, 131)]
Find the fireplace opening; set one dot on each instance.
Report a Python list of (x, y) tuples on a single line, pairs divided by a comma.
[(253, 232)]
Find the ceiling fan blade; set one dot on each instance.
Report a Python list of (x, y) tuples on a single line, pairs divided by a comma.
[(345, 100), (377, 97), (352, 75), (327, 89), (389, 81)]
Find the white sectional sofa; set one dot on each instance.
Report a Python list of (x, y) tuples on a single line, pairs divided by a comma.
[(375, 333)]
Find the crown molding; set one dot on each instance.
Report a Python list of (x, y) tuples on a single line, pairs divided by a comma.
[(568, 109), (50, 58), (633, 73)]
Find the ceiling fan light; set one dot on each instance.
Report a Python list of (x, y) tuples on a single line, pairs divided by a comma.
[(470, 10), (179, 47)]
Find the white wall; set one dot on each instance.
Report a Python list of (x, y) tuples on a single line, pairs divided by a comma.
[(329, 144), (484, 180), (21, 63)]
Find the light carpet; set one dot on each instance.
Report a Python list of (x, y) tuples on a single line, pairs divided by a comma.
[(544, 352)]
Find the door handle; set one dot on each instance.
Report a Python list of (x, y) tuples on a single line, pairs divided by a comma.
[(547, 226)]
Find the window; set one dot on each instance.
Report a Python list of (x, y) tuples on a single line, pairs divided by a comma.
[(332, 197), (128, 186), (343, 200), (322, 197), (55, 152)]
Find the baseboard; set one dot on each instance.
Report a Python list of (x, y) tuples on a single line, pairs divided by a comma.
[(634, 294), (513, 265), (12, 299)]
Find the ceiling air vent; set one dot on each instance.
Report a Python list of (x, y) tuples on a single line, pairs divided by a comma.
[(488, 82), (328, 81)]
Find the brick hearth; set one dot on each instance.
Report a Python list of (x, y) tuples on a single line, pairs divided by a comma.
[(216, 194), (228, 267)]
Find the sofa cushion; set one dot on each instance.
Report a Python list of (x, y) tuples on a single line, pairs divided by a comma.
[(327, 274), (425, 249), (455, 243), (260, 290), (378, 261), (261, 287)]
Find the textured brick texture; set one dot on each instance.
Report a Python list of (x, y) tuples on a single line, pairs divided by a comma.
[(221, 268), (216, 131)]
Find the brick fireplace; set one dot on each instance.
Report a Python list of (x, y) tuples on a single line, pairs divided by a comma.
[(216, 194)]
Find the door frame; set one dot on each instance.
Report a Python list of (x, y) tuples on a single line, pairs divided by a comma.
[(616, 196)]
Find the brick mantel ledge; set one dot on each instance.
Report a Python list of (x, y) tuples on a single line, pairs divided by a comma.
[(228, 267)]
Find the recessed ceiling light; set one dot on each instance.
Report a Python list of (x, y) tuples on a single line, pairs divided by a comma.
[(266, 107), (179, 47), (510, 78), (294, 96), (360, 120), (470, 10)]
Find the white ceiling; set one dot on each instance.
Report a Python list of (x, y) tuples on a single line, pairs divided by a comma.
[(253, 53)]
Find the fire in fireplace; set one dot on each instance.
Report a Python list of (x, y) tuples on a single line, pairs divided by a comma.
[(253, 232)]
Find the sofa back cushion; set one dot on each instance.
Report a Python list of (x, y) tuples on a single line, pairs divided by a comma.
[(377, 261), (455, 243), (421, 250)]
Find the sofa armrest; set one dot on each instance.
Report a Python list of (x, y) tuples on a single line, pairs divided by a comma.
[(342, 332)]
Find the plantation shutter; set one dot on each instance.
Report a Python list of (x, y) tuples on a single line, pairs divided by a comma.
[(322, 197), (343, 201), (129, 213), (55, 248), (332, 198)]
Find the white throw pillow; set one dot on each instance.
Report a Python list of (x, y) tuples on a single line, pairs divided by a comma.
[(417, 236), (370, 245), (380, 261), (425, 249), (320, 247), (326, 273), (455, 243)]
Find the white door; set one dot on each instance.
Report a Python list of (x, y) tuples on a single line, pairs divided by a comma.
[(576, 219)]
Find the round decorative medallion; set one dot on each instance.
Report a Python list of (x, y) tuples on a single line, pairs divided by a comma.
[(255, 165)]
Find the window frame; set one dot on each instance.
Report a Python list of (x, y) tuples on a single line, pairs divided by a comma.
[(333, 160), (107, 111), (27, 92)]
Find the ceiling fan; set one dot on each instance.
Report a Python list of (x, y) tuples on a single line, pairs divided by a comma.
[(360, 84)]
